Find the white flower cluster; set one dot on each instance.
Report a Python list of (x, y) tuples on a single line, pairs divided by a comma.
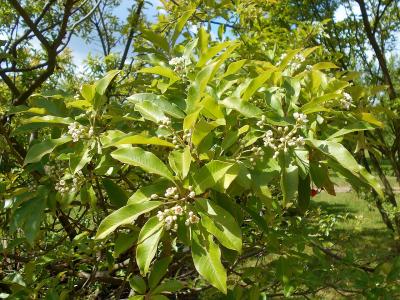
[(63, 187), (258, 152), (164, 123), (295, 64), (261, 122), (179, 63), (309, 67), (169, 216), (187, 135), (78, 131), (299, 57), (300, 118), (193, 219), (346, 101), (284, 142), (172, 192)]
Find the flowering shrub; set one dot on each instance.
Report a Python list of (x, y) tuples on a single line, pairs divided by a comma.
[(203, 160)]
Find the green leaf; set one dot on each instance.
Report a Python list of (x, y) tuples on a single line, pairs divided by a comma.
[(158, 271), (30, 214), (78, 161), (180, 24), (116, 195), (124, 241), (220, 224), (180, 161), (162, 71), (207, 260), (37, 151), (201, 130), (138, 140), (343, 157), (170, 286), (157, 39), (48, 119), (136, 156), (234, 67), (124, 215), (198, 87), (211, 52), (209, 175), (102, 84), (324, 65), (88, 91), (358, 126), (144, 193), (149, 238), (304, 193), (150, 111), (245, 108), (160, 101), (256, 83), (289, 183), (138, 284)]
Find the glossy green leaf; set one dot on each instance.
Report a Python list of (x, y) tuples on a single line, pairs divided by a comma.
[(135, 139), (146, 160), (144, 193), (207, 260), (116, 194), (102, 84), (149, 237), (220, 224), (48, 119), (209, 175), (244, 107), (78, 161), (210, 53), (289, 183), (124, 215), (180, 24), (138, 284), (170, 286), (124, 241), (158, 271), (180, 161), (343, 157), (359, 126), (37, 151)]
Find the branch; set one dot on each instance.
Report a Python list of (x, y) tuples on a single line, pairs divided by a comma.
[(33, 27), (131, 33)]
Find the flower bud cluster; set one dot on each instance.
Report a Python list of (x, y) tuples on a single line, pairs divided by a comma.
[(179, 63), (170, 215), (257, 152), (283, 141), (172, 192), (78, 131), (63, 187), (261, 123), (187, 135), (300, 118), (346, 101), (164, 123)]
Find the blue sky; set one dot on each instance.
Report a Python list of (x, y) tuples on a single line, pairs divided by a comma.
[(80, 50)]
